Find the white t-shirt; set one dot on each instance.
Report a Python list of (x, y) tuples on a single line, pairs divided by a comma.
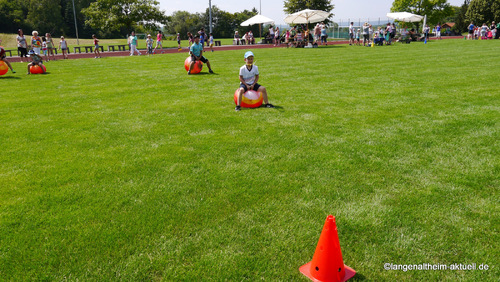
[(271, 31), (249, 75), (351, 29)]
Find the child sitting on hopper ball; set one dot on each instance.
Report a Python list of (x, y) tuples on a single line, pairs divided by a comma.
[(249, 75), (196, 52), (3, 57), (36, 61)]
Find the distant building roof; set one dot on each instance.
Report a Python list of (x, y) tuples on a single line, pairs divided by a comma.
[(450, 25)]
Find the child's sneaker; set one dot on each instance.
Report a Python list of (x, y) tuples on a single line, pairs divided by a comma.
[(211, 71), (13, 71), (189, 72), (269, 105), (238, 108)]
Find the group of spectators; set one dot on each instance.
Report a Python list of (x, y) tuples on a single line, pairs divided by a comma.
[(484, 31), (40, 45), (383, 35), (247, 38), (298, 36)]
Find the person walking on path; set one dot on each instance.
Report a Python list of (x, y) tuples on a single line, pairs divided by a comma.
[(132, 40), (22, 47), (63, 46), (50, 46), (36, 42)]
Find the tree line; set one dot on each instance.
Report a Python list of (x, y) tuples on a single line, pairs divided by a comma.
[(440, 11), (113, 18)]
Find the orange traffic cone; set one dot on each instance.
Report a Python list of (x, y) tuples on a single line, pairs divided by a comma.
[(327, 263)]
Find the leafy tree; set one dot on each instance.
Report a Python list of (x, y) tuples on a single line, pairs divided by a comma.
[(183, 22), (292, 6), (124, 15), (241, 17), (223, 23), (460, 20), (483, 11), (436, 10), (12, 15)]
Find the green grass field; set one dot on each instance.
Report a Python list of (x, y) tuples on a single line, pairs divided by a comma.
[(128, 169)]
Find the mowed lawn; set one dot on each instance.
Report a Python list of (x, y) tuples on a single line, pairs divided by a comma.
[(129, 169)]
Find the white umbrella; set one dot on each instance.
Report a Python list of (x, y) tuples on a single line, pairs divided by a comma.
[(307, 16), (258, 19), (405, 17)]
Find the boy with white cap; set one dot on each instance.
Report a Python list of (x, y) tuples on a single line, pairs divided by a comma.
[(249, 76)]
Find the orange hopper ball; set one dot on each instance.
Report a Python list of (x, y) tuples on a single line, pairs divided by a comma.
[(37, 69), (197, 66), (3, 68), (250, 99)]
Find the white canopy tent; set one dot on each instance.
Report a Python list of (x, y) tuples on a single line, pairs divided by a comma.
[(258, 19), (307, 16), (405, 17)]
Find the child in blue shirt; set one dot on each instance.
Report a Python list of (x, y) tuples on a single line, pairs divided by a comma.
[(196, 52)]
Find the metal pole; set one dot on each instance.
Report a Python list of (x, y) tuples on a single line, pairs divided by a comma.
[(210, 15), (76, 27)]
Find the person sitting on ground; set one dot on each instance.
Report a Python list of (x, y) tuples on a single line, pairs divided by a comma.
[(249, 76), (196, 52), (36, 60), (3, 57)]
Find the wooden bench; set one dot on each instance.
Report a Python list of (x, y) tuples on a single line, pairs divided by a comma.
[(120, 47), (217, 43), (77, 48), (90, 49), (10, 52)]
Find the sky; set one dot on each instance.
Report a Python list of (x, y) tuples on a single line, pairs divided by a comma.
[(344, 9)]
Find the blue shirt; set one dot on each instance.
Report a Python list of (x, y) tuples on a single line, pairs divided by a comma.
[(196, 49)]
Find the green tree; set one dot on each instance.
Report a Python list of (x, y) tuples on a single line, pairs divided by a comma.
[(460, 19), (483, 11), (124, 15), (12, 15), (292, 6), (436, 10), (242, 16), (183, 22)]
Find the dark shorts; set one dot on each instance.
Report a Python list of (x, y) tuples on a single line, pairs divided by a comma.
[(203, 59), (23, 52), (255, 87), (365, 37), (471, 31)]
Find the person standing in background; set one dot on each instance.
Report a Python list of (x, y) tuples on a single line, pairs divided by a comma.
[(22, 47)]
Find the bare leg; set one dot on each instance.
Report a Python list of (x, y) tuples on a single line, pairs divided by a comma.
[(8, 64), (263, 90), (240, 95)]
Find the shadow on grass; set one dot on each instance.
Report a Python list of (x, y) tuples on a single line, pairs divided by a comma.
[(263, 108), (10, 77), (203, 73), (358, 277)]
